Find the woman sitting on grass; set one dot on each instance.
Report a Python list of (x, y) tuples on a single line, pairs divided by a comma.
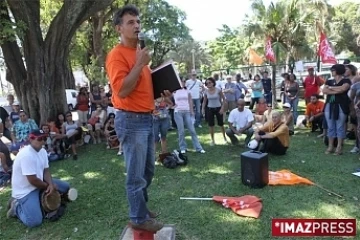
[(72, 132), (288, 118), (51, 144), (110, 134), (95, 123)]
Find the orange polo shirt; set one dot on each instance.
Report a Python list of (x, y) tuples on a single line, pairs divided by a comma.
[(119, 63), (314, 109)]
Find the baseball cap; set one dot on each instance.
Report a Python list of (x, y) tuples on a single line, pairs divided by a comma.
[(16, 103), (310, 69), (287, 105), (37, 133)]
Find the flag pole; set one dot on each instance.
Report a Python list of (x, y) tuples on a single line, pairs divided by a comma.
[(328, 191), (198, 199)]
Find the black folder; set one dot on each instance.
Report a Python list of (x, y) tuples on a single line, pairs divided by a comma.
[(165, 77)]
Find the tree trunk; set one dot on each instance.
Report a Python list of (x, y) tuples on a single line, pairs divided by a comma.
[(47, 65), (98, 21)]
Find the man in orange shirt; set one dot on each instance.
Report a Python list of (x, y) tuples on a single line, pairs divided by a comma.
[(133, 99), (314, 113)]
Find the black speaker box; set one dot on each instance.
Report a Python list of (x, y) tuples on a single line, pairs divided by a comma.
[(255, 169)]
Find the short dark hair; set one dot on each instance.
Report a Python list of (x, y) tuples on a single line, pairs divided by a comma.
[(316, 95), (352, 68), (212, 80), (127, 9)]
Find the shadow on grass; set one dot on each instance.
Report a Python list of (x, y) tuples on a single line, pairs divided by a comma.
[(101, 209)]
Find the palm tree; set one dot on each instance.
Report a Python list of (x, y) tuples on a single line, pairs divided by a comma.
[(183, 56)]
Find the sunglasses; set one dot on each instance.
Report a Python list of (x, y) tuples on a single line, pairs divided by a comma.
[(269, 105)]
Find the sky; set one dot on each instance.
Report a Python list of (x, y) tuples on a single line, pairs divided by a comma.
[(204, 17)]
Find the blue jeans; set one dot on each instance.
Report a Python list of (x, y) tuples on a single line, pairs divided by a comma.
[(135, 132), (268, 97), (52, 157), (28, 209), (335, 128), (294, 106), (197, 112), (184, 119), (161, 126)]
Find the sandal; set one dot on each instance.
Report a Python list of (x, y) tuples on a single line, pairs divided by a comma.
[(329, 150), (338, 152)]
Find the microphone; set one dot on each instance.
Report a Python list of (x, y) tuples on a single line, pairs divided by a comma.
[(141, 37)]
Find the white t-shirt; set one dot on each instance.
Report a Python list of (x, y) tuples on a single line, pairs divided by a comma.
[(240, 119), (219, 84), (181, 98), (27, 162), (194, 91)]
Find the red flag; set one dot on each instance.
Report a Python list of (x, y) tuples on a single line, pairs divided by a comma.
[(325, 52), (269, 52), (247, 206)]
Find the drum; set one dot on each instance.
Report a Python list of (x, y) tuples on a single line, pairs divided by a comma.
[(113, 142), (50, 201)]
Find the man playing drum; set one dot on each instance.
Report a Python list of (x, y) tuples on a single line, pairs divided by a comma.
[(31, 179)]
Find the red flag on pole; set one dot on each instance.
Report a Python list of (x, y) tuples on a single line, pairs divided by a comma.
[(269, 52), (325, 52), (246, 206)]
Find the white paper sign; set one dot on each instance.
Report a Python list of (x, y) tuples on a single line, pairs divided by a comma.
[(299, 66)]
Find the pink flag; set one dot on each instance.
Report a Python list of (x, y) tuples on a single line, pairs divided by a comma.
[(269, 52), (325, 52)]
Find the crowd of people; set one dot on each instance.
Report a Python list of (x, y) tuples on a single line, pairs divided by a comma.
[(132, 122)]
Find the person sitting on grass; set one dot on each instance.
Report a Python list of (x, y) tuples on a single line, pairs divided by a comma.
[(260, 109), (110, 133), (72, 132), (267, 116), (54, 153), (314, 114), (95, 123), (273, 137), (288, 118), (240, 121), (30, 178), (21, 131), (5, 164)]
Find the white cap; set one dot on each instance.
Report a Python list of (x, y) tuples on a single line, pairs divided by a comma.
[(16, 103), (287, 105), (253, 144)]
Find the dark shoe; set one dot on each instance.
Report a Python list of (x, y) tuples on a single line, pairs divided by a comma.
[(153, 214), (75, 157), (150, 225)]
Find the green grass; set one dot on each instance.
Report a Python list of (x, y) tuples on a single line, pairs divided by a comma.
[(101, 210)]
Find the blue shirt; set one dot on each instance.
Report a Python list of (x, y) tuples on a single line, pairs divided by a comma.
[(23, 129)]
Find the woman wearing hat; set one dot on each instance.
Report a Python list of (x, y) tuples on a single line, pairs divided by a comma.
[(337, 107)]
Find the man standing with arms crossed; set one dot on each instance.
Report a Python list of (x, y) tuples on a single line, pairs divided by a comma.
[(133, 99)]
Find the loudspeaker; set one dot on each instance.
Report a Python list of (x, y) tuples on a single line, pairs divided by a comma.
[(255, 169)]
